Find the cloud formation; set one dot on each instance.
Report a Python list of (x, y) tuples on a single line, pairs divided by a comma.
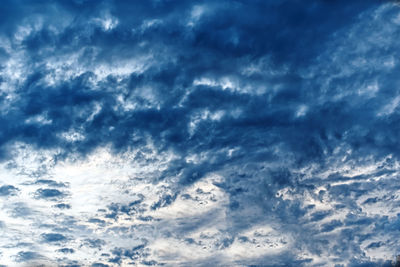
[(199, 133)]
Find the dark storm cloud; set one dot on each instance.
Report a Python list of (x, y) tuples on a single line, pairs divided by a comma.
[(208, 48), (256, 88)]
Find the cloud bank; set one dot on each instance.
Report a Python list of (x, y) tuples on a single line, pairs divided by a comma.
[(199, 133)]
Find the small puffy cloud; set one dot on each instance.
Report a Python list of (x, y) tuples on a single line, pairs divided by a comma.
[(53, 237), (51, 194)]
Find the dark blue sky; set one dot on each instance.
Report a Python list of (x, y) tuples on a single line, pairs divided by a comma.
[(199, 133)]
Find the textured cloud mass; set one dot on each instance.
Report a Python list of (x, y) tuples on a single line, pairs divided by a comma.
[(199, 133)]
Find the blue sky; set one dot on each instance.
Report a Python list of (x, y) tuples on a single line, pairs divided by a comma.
[(199, 133)]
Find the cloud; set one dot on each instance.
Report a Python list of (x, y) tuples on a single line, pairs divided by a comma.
[(99, 265), (199, 132), (48, 193), (24, 256), (63, 206), (50, 183), (53, 237), (7, 190), (66, 250), (94, 243)]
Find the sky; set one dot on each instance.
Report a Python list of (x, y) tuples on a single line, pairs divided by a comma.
[(199, 133)]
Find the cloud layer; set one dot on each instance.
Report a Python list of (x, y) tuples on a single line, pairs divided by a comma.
[(199, 133)]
